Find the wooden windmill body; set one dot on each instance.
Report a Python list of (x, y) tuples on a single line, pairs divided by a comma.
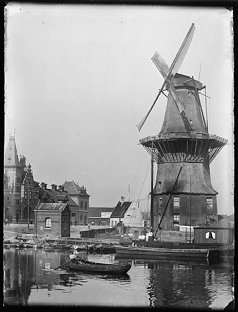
[(183, 142)]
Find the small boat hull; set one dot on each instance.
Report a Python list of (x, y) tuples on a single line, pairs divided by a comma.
[(102, 268), (167, 252)]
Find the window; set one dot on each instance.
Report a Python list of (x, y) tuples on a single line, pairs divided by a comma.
[(47, 265), (210, 235), (176, 202), (160, 202), (81, 217), (159, 185), (81, 205), (48, 223), (176, 218), (209, 205), (85, 205), (73, 214), (17, 201)]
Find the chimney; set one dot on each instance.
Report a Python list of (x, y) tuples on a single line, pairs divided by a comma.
[(122, 200), (23, 161), (54, 187), (61, 188), (44, 185)]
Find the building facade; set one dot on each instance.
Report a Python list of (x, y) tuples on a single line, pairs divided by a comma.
[(100, 215), (20, 192), (79, 213), (52, 220), (119, 212)]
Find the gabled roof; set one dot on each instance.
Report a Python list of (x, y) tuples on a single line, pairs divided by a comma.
[(74, 189), (94, 212), (51, 206), (120, 209), (71, 202)]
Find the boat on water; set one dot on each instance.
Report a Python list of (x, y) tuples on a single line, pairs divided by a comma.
[(81, 265), (158, 253)]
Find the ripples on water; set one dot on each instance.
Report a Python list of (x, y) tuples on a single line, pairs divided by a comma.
[(30, 279)]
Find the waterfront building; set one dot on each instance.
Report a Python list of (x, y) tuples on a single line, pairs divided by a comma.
[(119, 212), (220, 232), (99, 215), (79, 195), (20, 194), (57, 194), (29, 196), (52, 220)]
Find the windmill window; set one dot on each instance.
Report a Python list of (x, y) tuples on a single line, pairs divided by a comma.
[(209, 205), (176, 218), (210, 235), (48, 223), (176, 202)]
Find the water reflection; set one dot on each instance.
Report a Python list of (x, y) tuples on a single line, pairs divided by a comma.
[(30, 278)]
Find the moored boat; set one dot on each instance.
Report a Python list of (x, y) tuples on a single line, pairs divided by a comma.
[(79, 264), (158, 253)]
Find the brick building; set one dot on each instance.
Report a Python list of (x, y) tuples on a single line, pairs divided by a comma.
[(52, 220), (20, 191), (79, 195)]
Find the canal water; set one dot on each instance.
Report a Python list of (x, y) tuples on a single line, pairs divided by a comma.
[(30, 278)]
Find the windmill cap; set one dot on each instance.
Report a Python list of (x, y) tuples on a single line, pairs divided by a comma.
[(186, 82)]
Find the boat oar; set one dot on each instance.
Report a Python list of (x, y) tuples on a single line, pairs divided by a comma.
[(62, 264)]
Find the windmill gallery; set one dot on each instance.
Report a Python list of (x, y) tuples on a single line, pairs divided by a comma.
[(183, 195)]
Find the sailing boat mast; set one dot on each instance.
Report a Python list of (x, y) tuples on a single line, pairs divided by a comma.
[(190, 212), (151, 191)]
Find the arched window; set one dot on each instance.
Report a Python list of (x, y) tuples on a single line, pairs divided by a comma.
[(48, 222)]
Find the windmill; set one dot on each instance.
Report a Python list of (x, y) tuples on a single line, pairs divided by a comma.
[(184, 142)]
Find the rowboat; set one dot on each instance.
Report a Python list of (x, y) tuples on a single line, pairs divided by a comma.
[(159, 253), (79, 264)]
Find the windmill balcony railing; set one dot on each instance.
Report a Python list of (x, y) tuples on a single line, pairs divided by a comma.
[(183, 135)]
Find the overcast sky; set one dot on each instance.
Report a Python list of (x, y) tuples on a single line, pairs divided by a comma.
[(79, 78)]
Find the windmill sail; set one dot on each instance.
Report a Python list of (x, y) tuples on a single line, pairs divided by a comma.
[(163, 67), (160, 64), (182, 51)]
